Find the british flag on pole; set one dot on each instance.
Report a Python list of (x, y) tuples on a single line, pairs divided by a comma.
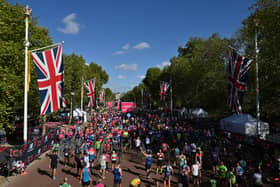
[(90, 88), (50, 73), (163, 91), (238, 69), (101, 96)]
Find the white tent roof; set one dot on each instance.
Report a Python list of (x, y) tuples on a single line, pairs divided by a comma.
[(243, 124), (199, 113)]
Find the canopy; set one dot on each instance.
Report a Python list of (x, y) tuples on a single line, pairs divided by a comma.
[(199, 113), (79, 113), (244, 124)]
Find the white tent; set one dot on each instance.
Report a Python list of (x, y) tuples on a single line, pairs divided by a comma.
[(79, 113), (244, 124), (199, 113)]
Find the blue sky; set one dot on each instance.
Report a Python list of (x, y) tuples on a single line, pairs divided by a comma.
[(126, 37)]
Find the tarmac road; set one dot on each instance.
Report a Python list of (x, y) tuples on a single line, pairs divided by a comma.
[(38, 174)]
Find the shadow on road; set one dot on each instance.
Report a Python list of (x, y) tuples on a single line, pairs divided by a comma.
[(142, 168), (69, 172), (43, 172)]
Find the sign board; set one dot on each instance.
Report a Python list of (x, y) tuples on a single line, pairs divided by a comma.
[(110, 104), (128, 107)]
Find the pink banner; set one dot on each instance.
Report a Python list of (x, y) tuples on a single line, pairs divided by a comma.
[(128, 107), (110, 104)]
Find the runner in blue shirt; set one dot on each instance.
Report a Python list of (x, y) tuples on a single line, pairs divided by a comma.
[(85, 177), (149, 159)]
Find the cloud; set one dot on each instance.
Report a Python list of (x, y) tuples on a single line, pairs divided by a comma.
[(71, 26), (142, 45), (163, 64), (121, 77), (127, 67), (126, 46), (140, 77), (118, 53)]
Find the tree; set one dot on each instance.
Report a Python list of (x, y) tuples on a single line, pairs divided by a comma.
[(267, 15), (12, 35), (152, 82), (109, 94)]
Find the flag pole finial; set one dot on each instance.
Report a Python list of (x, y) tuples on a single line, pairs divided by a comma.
[(27, 10)]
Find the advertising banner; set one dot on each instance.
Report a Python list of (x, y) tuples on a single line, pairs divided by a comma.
[(128, 107)]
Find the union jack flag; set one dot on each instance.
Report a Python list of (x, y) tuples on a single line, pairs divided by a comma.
[(101, 96), (90, 87), (50, 73), (238, 69), (163, 89)]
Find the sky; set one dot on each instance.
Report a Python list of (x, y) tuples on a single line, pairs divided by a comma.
[(126, 37)]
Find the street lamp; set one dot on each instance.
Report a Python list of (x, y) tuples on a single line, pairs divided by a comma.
[(71, 107)]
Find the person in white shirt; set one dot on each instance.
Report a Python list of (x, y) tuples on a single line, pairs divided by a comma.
[(86, 159), (103, 165), (138, 144), (195, 173)]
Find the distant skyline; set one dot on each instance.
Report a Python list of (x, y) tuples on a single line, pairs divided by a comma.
[(127, 37)]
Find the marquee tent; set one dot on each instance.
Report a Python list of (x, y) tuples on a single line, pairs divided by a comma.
[(244, 124), (199, 113)]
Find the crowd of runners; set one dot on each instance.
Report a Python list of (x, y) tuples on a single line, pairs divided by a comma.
[(167, 146)]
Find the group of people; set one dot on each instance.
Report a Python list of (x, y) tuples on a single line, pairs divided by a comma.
[(91, 147), (180, 151)]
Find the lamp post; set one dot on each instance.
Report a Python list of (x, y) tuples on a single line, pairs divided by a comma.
[(71, 107)]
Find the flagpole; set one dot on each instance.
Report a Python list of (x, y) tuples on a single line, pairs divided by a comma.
[(257, 79), (82, 93), (49, 46), (27, 12), (142, 98), (171, 100)]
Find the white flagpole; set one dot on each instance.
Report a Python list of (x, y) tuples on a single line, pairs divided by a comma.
[(27, 12), (171, 99), (257, 80), (82, 93), (49, 46)]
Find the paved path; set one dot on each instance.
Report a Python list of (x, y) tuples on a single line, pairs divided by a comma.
[(38, 174)]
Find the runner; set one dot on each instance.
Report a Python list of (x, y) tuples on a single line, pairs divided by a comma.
[(91, 153), (185, 175), (117, 176), (160, 163), (79, 165), (53, 163), (86, 160), (103, 165), (176, 155), (138, 145), (239, 175), (114, 157), (85, 176), (222, 171), (232, 178), (181, 160), (195, 173), (168, 173), (67, 156), (65, 184), (149, 159)]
